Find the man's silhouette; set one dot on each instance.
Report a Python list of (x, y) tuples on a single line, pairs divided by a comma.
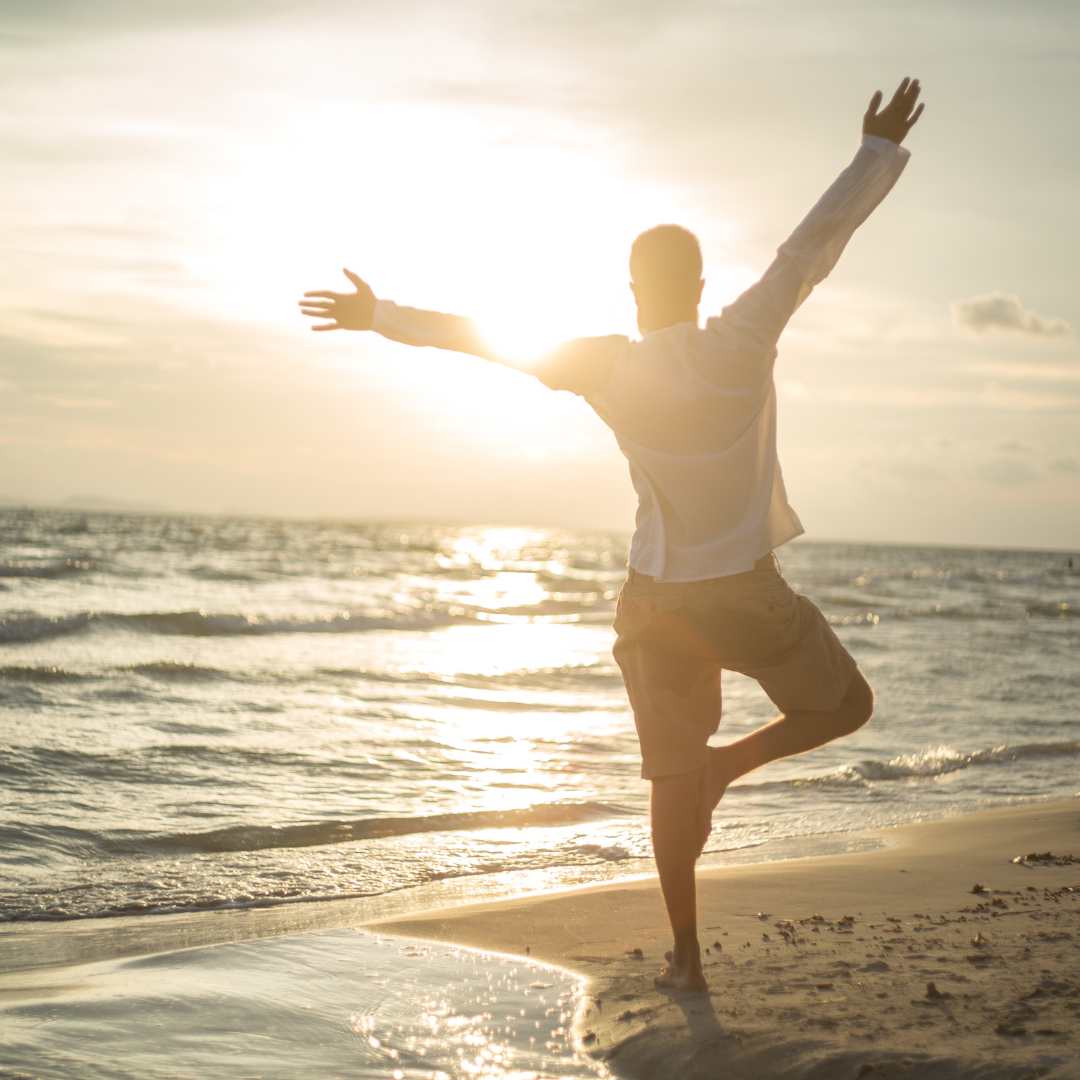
[(694, 411)]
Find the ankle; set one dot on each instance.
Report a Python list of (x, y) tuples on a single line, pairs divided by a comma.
[(687, 951)]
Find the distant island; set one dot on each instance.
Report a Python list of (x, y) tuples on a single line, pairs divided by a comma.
[(88, 502)]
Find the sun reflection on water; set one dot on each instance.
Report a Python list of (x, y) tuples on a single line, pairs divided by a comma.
[(331, 1003), (499, 1018), (457, 650), (504, 589)]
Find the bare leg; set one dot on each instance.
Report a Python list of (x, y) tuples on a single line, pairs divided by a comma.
[(793, 733), (673, 808)]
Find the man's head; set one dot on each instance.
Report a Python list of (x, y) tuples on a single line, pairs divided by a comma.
[(665, 276)]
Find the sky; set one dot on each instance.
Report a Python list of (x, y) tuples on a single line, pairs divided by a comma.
[(175, 176)]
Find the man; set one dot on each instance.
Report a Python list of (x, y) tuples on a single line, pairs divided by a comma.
[(694, 411)]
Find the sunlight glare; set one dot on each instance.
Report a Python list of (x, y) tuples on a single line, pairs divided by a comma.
[(520, 647), (523, 222)]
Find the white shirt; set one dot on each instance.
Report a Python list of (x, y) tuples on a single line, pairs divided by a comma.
[(694, 409)]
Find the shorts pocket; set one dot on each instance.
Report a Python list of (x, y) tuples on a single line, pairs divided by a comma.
[(777, 598), (654, 603)]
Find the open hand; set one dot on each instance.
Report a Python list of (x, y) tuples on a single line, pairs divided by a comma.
[(346, 311), (896, 119)]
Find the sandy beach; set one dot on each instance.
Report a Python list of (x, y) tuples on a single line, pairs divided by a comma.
[(941, 956)]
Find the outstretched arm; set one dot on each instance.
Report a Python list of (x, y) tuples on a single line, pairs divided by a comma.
[(362, 310), (580, 366)]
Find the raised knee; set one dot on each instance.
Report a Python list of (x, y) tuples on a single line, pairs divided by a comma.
[(859, 701)]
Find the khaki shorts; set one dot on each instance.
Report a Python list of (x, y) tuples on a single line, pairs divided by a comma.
[(675, 637)]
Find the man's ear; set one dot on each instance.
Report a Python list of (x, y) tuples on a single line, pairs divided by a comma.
[(633, 289), (701, 289)]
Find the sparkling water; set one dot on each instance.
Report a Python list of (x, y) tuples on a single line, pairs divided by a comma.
[(203, 712), (334, 1004)]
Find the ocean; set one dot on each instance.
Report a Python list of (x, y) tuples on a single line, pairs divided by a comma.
[(203, 713)]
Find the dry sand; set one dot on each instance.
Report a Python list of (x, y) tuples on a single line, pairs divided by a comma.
[(939, 958)]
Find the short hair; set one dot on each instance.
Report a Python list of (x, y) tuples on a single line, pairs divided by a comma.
[(666, 257)]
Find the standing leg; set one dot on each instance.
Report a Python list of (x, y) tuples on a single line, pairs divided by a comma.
[(673, 809), (793, 733), (676, 700)]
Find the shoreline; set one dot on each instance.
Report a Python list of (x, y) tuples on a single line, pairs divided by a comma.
[(886, 963), (882, 963), (32, 945)]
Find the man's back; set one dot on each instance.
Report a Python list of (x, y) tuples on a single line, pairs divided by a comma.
[(694, 412)]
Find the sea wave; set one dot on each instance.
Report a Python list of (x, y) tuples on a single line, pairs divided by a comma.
[(213, 624), (214, 573), (41, 568), (935, 761), (321, 833), (16, 673), (175, 671), (179, 671), (17, 628), (31, 627), (1050, 609), (75, 842), (171, 670), (40, 768)]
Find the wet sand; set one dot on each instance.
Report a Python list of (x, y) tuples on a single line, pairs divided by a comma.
[(939, 958)]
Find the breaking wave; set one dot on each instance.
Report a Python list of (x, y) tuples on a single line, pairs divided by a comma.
[(31, 627), (16, 628), (936, 761), (44, 569), (175, 671), (21, 674), (320, 833), (209, 624), (1049, 609)]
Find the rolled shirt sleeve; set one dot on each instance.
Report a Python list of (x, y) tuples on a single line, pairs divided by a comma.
[(818, 242), (812, 250)]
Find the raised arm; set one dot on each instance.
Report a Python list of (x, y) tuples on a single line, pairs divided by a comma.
[(812, 250), (898, 117), (820, 238)]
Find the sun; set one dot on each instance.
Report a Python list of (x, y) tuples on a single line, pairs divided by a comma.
[(522, 220)]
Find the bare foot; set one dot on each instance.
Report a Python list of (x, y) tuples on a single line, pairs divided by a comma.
[(714, 782), (686, 975)]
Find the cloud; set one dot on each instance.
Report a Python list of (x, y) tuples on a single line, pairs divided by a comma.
[(1006, 471), (969, 462), (1065, 465), (1001, 311)]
